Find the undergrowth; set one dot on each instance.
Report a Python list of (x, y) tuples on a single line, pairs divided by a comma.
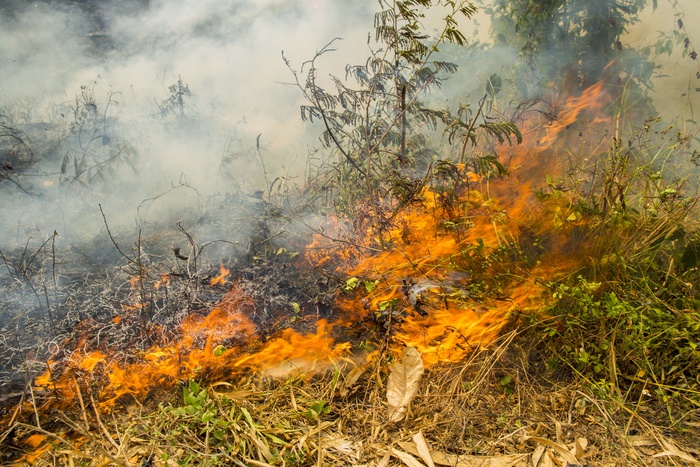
[(628, 324)]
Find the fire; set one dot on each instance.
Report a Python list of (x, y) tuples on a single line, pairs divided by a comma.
[(593, 99), (224, 342), (452, 274), (164, 280), (39, 445), (424, 277), (222, 277), (423, 281), (291, 351)]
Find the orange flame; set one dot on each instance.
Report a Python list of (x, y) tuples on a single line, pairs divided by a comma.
[(424, 274), (223, 342), (164, 280), (592, 99), (222, 277)]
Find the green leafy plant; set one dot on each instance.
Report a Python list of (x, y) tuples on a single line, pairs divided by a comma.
[(571, 42), (376, 119), (317, 410), (630, 316)]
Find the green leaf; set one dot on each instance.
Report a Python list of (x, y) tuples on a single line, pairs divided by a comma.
[(351, 283), (277, 440), (370, 285), (248, 418), (506, 380), (192, 396), (316, 410), (494, 85)]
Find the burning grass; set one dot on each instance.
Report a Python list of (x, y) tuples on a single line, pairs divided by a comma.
[(553, 311), (488, 410)]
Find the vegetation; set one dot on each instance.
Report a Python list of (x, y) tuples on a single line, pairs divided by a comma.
[(625, 324), (569, 43), (565, 229), (381, 129)]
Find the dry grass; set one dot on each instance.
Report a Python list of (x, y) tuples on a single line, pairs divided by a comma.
[(496, 409)]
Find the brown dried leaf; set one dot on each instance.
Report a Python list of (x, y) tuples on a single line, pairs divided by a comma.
[(579, 448), (404, 376), (352, 378), (562, 450), (672, 450), (464, 460), (641, 440), (423, 450), (385, 460), (537, 455), (406, 458)]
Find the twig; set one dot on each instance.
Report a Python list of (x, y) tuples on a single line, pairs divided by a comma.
[(471, 128), (101, 425), (270, 237), (193, 246), (92, 440), (36, 412), (268, 187), (82, 404), (109, 233), (339, 240)]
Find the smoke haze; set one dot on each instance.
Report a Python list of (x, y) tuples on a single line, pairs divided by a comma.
[(97, 75), (122, 57)]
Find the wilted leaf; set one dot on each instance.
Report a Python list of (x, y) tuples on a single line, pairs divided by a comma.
[(672, 450), (537, 455), (385, 460), (352, 378), (579, 448), (404, 376), (639, 440), (547, 459)]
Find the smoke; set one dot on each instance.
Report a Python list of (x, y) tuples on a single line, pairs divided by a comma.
[(62, 60), (89, 82)]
